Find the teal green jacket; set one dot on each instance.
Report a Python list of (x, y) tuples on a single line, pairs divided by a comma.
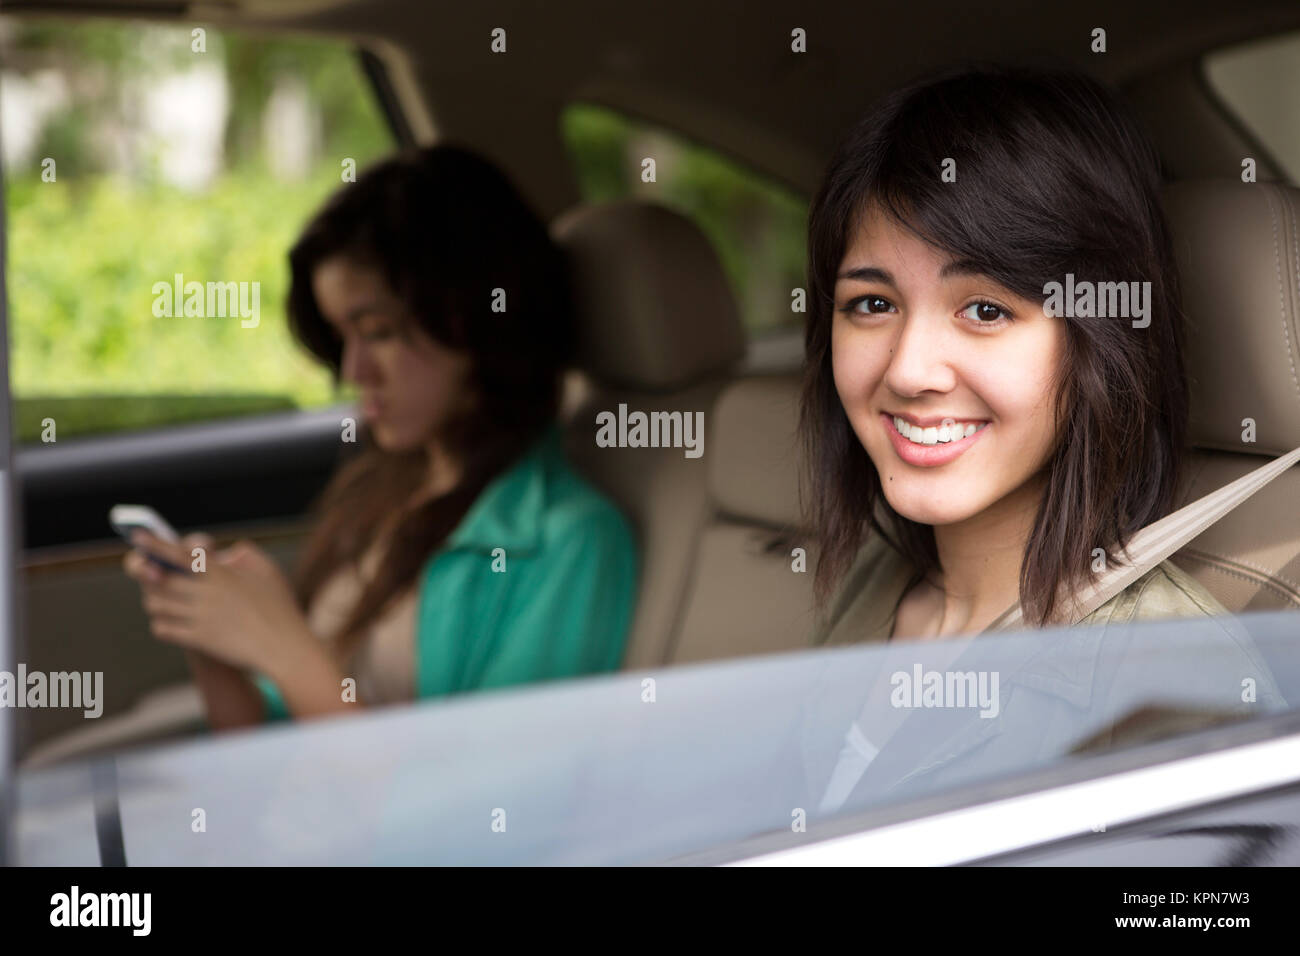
[(558, 604)]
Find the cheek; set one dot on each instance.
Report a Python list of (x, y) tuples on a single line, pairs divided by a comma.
[(857, 364), (1022, 394), (430, 381), (389, 360)]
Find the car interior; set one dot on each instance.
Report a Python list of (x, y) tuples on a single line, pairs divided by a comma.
[(660, 324)]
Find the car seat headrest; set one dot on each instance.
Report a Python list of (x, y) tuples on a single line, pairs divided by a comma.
[(754, 464), (654, 309), (1238, 251)]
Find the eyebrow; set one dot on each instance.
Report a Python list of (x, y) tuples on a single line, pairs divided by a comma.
[(868, 274), (951, 269), (354, 314)]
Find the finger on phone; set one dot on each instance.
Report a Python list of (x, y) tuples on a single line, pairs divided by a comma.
[(143, 539), (171, 554), (139, 567)]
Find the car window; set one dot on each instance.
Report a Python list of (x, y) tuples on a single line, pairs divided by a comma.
[(757, 226), (1259, 83), (657, 765), (155, 178)]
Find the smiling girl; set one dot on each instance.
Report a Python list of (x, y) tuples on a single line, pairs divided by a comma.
[(969, 450)]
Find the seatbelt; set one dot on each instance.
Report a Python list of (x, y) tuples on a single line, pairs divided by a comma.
[(1158, 540)]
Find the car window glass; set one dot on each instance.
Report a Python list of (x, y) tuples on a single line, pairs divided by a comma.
[(155, 178), (645, 767), (1259, 82)]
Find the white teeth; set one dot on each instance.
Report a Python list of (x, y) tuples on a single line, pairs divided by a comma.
[(936, 436)]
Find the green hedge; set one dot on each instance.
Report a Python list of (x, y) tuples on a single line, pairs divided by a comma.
[(83, 259)]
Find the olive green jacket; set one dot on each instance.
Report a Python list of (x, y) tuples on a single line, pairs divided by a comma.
[(864, 608), (1060, 694)]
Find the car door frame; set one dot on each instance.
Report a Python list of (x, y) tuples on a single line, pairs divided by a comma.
[(10, 532)]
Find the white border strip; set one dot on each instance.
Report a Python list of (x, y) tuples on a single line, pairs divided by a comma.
[(973, 833)]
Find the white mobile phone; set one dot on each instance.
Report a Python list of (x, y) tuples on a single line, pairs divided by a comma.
[(127, 518)]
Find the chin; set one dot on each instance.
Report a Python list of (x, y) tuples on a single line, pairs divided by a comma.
[(916, 504), (926, 515), (392, 440)]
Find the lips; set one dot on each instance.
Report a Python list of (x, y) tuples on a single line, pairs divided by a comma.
[(927, 456)]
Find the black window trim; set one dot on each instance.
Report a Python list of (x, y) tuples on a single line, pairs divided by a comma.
[(381, 84)]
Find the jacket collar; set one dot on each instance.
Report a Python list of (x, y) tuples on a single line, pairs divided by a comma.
[(508, 512), (1059, 663)]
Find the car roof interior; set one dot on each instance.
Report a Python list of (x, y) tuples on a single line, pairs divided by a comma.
[(721, 74)]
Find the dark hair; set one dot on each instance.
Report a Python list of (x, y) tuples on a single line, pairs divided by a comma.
[(1053, 177), (445, 228)]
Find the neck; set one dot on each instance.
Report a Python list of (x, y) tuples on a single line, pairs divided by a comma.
[(981, 559), (443, 472)]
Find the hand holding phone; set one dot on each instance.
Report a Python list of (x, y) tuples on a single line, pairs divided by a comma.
[(126, 519)]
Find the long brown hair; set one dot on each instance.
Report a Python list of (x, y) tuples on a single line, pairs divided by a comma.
[(446, 228), (1055, 177)]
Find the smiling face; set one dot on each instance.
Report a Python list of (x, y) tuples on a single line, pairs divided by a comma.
[(410, 385), (968, 367)]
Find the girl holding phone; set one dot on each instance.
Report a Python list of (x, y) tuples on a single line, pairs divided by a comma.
[(459, 550)]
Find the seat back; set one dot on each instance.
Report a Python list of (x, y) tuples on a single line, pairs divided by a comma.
[(1238, 251), (659, 333), (751, 590)]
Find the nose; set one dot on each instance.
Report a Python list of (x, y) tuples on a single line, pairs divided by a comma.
[(925, 350), (357, 366)]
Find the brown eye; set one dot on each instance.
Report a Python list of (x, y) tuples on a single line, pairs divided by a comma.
[(869, 305), (985, 313)]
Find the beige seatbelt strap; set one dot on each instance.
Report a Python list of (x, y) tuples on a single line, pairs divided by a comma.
[(1158, 540)]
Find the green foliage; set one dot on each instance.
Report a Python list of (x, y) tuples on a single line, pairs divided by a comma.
[(86, 250), (82, 267)]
